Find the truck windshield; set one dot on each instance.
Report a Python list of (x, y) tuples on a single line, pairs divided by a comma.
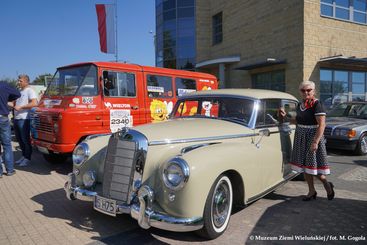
[(80, 81)]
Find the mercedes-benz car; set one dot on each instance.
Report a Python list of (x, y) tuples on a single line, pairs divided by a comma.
[(219, 148), (346, 127)]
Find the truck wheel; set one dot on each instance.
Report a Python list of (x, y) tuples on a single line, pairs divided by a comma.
[(55, 158), (362, 145), (218, 207)]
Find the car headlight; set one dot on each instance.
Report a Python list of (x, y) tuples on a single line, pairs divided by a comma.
[(81, 153), (89, 178), (175, 173), (350, 133)]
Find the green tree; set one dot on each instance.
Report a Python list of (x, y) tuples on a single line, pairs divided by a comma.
[(40, 80), (13, 82)]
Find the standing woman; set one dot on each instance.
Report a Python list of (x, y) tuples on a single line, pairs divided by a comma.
[(309, 150)]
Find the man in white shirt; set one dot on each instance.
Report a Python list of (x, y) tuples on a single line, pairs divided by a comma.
[(23, 105)]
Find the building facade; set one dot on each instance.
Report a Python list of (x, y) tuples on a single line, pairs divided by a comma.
[(275, 44)]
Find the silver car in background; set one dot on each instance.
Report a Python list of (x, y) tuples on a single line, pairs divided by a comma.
[(346, 127)]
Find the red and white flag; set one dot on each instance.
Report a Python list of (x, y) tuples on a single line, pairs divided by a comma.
[(106, 27)]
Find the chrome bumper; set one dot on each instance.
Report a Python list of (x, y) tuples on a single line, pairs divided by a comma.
[(141, 210)]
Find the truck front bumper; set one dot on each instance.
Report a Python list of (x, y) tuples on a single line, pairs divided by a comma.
[(140, 209), (46, 147)]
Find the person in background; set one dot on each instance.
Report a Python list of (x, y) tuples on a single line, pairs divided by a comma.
[(22, 108), (309, 150), (7, 94)]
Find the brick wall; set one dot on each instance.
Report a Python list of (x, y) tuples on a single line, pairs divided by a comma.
[(255, 30), (282, 29), (327, 37)]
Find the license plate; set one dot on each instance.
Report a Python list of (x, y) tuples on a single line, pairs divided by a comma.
[(105, 205), (42, 149)]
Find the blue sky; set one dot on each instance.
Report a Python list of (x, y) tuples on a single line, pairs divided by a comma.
[(37, 36)]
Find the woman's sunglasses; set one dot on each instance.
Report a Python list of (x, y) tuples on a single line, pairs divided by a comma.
[(306, 90)]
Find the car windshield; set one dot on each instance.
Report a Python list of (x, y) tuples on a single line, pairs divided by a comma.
[(358, 110), (80, 81), (237, 110)]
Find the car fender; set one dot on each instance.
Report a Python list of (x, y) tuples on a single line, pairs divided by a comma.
[(206, 164), (97, 152)]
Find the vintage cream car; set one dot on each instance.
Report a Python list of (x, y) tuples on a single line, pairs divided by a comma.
[(219, 148)]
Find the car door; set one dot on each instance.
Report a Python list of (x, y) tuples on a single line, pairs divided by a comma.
[(287, 129), (268, 143)]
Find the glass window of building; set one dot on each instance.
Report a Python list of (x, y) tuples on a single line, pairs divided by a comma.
[(358, 86), (217, 28), (175, 34), (338, 86), (349, 10), (274, 80)]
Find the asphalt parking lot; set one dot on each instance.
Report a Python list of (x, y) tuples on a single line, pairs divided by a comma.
[(34, 210)]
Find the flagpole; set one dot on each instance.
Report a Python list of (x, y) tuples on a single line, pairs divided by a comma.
[(116, 45)]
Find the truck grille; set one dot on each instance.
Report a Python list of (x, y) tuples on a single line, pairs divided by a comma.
[(119, 169), (43, 123)]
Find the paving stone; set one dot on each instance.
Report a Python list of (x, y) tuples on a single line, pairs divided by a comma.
[(36, 211)]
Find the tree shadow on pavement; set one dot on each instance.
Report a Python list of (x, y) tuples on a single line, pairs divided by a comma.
[(82, 216), (136, 236), (316, 219)]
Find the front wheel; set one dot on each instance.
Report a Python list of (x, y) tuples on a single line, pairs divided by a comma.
[(362, 145), (218, 207), (55, 158)]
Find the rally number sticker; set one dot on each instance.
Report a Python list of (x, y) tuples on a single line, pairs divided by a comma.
[(120, 119)]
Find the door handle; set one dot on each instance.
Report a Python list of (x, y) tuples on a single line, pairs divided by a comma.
[(135, 107)]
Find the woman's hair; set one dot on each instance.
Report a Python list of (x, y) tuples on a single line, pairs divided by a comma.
[(307, 83)]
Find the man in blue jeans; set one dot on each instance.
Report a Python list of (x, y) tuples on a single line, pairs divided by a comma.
[(7, 94), (22, 124)]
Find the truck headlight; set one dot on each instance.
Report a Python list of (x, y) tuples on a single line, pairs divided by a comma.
[(175, 173), (89, 178), (81, 153), (56, 127)]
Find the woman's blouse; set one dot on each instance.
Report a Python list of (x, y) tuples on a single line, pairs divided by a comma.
[(308, 110)]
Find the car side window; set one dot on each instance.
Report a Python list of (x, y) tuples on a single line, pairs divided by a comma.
[(268, 113), (159, 86), (119, 84), (363, 112), (290, 108)]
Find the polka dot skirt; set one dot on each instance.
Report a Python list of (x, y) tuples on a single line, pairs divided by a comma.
[(303, 159)]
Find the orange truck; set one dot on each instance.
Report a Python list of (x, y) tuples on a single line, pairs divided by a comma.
[(102, 97)]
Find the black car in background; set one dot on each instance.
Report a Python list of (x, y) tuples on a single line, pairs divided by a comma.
[(346, 127)]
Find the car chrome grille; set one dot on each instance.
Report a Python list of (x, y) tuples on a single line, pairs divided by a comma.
[(327, 131), (119, 169)]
